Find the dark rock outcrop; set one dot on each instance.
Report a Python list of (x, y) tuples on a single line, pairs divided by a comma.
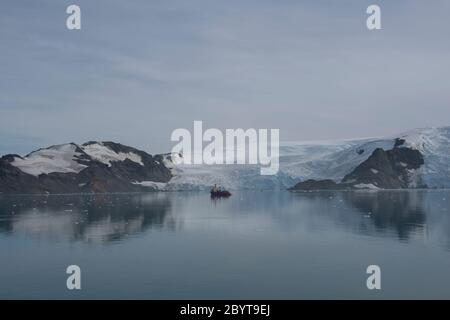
[(398, 142), (12, 180), (386, 169), (391, 169)]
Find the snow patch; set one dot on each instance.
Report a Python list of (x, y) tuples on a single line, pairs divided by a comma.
[(366, 186), (102, 153), (171, 160), (59, 158), (152, 184)]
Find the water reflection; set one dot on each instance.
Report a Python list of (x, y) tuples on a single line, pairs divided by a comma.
[(84, 217), (400, 215), (404, 215), (400, 212), (252, 245)]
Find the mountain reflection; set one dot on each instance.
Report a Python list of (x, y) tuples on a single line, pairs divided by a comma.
[(398, 211), (84, 217), (401, 215)]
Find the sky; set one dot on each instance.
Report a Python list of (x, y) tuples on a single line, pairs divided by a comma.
[(137, 70)]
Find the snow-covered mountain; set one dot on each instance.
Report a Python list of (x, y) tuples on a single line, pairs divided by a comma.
[(66, 158), (112, 167), (319, 160), (90, 167)]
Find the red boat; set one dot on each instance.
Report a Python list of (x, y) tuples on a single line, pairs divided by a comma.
[(218, 192)]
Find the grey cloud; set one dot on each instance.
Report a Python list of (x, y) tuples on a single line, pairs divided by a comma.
[(137, 70)]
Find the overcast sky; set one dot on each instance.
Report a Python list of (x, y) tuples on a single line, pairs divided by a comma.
[(139, 69)]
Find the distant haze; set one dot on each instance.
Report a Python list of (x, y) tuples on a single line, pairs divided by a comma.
[(139, 69)]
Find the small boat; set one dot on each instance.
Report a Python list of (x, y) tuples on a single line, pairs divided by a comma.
[(220, 194)]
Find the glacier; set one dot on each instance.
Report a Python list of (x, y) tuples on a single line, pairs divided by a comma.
[(318, 160)]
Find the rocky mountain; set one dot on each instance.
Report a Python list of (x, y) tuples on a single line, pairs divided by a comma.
[(391, 169), (91, 167)]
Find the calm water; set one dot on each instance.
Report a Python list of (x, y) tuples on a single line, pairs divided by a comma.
[(252, 245)]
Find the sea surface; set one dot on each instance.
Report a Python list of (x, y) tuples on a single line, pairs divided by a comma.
[(253, 245)]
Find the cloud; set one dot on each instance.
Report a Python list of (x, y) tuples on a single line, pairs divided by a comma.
[(136, 71)]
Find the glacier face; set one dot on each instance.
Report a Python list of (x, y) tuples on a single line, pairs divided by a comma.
[(319, 160)]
